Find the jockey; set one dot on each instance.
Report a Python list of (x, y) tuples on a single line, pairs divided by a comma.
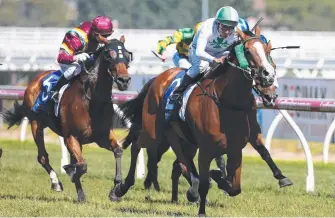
[(209, 45), (243, 25), (183, 38), (76, 45)]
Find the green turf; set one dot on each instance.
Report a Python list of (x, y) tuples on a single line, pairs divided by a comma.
[(25, 188)]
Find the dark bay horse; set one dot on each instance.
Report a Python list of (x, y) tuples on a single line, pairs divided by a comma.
[(216, 117), (155, 154), (86, 112)]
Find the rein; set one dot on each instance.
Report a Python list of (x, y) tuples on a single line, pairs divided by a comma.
[(85, 81), (246, 72)]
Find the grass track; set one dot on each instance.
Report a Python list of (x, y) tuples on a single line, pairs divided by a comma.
[(25, 188)]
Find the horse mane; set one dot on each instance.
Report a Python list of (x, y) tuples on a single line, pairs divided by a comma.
[(91, 67)]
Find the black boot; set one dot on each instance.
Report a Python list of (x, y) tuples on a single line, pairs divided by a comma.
[(175, 99), (187, 80), (54, 90)]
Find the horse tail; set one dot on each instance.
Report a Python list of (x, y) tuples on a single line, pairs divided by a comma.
[(132, 111), (14, 116)]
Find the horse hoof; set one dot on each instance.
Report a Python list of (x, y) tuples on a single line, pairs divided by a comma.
[(284, 182), (112, 195), (225, 193), (157, 187), (147, 184), (81, 198), (58, 187), (174, 201), (191, 198), (201, 215)]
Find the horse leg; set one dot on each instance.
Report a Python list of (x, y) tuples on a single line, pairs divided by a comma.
[(121, 189), (114, 146), (186, 162), (204, 161), (152, 153), (118, 151), (176, 172), (77, 167), (231, 184), (193, 176), (162, 148), (42, 157), (258, 145), (192, 194), (234, 167)]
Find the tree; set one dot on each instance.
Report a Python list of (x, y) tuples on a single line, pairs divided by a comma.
[(156, 14), (33, 13), (305, 15)]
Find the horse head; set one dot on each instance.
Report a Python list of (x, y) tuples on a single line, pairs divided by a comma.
[(257, 62), (116, 58)]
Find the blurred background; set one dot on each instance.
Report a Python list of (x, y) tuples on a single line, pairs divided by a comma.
[(31, 32)]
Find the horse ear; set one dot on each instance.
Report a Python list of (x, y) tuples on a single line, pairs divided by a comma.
[(123, 39), (269, 47), (241, 34), (257, 31)]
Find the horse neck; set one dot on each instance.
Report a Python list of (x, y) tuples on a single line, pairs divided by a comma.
[(104, 84), (100, 83), (233, 87)]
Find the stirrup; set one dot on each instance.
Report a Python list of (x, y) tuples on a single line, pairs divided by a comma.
[(175, 96), (55, 96)]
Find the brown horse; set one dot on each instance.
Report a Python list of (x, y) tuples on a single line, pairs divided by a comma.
[(216, 117), (155, 154), (86, 112)]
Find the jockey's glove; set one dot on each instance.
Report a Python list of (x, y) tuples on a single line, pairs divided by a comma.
[(81, 57)]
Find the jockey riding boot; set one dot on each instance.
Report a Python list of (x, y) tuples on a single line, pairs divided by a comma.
[(54, 90), (176, 97), (187, 80)]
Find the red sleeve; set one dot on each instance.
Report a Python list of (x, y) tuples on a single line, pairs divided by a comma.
[(70, 46), (64, 58)]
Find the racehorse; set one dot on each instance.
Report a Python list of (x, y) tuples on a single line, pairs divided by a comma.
[(155, 154), (216, 118), (85, 112)]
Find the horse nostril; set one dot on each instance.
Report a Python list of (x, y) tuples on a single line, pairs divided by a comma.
[(266, 73), (127, 80)]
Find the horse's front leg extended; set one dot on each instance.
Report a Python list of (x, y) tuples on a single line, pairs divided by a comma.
[(258, 145), (121, 189), (118, 151)]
